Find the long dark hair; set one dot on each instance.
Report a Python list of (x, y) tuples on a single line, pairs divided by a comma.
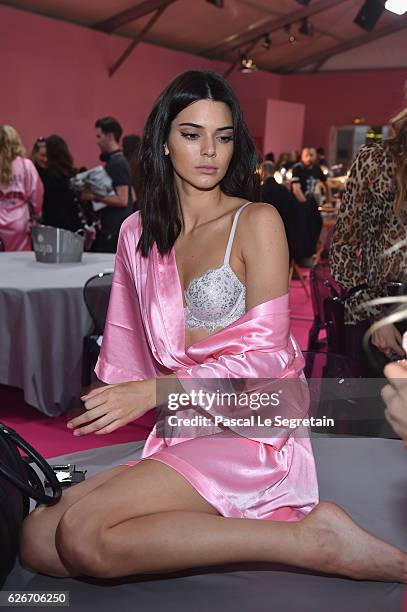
[(131, 148), (157, 197), (59, 158)]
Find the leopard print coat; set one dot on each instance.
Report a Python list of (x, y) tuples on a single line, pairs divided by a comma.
[(367, 227)]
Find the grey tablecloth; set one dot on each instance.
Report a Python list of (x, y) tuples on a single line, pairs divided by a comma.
[(43, 320), (367, 477)]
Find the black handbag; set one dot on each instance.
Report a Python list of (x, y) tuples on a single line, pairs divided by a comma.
[(18, 483), (334, 311)]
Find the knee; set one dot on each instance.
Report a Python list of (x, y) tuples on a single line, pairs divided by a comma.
[(78, 542)]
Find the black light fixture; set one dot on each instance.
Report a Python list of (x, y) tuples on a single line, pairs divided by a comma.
[(247, 64), (291, 37), (304, 2), (306, 28), (217, 3), (369, 14), (266, 41)]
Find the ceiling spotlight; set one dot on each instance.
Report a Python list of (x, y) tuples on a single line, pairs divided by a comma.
[(396, 6), (247, 64), (369, 14), (218, 3), (266, 41), (306, 27), (291, 37)]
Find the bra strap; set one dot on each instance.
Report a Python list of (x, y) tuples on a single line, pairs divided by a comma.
[(232, 233)]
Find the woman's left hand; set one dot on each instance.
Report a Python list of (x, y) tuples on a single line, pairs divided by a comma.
[(112, 406), (388, 339)]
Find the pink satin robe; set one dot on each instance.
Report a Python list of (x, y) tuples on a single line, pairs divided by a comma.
[(25, 186), (245, 476)]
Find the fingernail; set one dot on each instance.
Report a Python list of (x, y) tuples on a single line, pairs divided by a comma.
[(77, 433), (69, 425)]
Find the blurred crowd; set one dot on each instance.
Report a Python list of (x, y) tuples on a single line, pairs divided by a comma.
[(38, 188)]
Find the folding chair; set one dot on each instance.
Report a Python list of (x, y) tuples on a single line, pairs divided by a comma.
[(96, 294)]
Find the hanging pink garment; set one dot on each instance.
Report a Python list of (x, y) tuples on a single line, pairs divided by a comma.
[(25, 187), (244, 475)]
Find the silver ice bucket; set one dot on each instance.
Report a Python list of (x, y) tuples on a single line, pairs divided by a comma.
[(56, 245)]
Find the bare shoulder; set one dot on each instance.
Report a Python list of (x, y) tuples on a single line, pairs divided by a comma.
[(264, 251), (261, 211), (261, 220)]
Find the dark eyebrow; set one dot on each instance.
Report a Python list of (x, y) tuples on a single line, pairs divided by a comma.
[(200, 127)]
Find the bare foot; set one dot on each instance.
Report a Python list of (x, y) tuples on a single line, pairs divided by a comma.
[(347, 549)]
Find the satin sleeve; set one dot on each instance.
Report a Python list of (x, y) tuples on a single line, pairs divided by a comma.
[(125, 353)]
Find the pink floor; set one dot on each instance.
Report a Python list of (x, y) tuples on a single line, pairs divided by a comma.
[(51, 437)]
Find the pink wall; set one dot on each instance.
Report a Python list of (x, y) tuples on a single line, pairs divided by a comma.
[(253, 90), (334, 99), (284, 127), (54, 77)]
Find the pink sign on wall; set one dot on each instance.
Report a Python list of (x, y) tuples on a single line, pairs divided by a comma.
[(284, 126)]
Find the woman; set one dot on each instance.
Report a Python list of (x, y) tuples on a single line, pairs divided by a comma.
[(369, 246), (21, 192), (131, 148), (39, 154), (178, 315), (60, 202)]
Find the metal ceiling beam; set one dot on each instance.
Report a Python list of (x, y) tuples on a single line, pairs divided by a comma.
[(267, 27), (131, 14), (136, 41), (322, 56)]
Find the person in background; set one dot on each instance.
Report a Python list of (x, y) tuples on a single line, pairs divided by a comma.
[(307, 175), (282, 161), (21, 192), (61, 208), (369, 246), (131, 144), (39, 154), (270, 157), (131, 147), (321, 159), (292, 159), (120, 205), (282, 200)]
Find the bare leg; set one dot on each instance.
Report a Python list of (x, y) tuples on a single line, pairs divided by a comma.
[(38, 530), (149, 518), (326, 540)]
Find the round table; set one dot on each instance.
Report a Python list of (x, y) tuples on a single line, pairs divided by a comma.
[(43, 320)]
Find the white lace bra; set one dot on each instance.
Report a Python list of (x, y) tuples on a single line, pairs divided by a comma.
[(217, 298)]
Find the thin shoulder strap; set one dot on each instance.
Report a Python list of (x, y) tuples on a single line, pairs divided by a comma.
[(232, 233)]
